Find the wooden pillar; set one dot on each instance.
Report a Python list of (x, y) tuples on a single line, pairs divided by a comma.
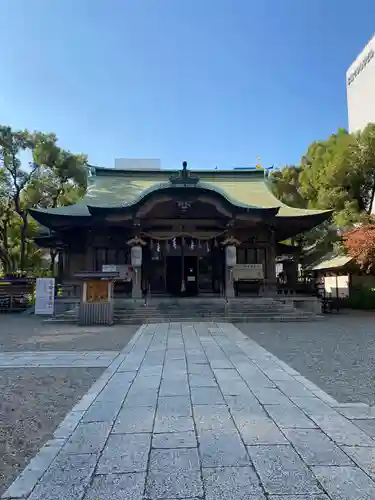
[(90, 254), (60, 266), (217, 269), (271, 264), (146, 268), (291, 272), (67, 263)]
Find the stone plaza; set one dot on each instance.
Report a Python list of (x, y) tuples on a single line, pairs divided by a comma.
[(199, 411)]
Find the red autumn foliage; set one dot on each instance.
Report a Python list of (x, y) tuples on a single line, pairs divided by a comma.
[(360, 244)]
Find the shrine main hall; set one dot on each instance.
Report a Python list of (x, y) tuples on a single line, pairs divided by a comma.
[(183, 233)]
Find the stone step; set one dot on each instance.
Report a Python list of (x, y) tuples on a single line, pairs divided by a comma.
[(204, 310), (240, 319), (196, 309), (216, 309), (208, 308), (199, 313), (206, 315), (231, 318)]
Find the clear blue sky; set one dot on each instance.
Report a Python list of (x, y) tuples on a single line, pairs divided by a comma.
[(215, 82)]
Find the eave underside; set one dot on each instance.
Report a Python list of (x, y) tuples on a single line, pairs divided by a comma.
[(283, 227)]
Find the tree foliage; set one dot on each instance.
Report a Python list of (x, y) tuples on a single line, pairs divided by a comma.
[(360, 244), (337, 174), (286, 186), (52, 177)]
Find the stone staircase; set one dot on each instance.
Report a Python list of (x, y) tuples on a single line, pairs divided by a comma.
[(212, 309)]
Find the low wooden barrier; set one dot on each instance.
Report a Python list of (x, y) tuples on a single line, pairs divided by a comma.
[(96, 305), (16, 294)]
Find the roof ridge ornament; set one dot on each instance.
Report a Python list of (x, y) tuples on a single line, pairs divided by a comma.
[(183, 177)]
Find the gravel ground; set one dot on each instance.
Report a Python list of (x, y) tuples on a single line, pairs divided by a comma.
[(337, 354), (31, 333), (32, 404)]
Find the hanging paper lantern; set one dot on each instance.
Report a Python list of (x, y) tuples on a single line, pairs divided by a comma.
[(158, 247), (174, 243), (192, 244), (207, 246)]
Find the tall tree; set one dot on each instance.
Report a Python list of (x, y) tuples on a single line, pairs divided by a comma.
[(328, 178), (364, 161), (53, 177), (339, 173), (12, 144), (360, 244), (285, 185), (62, 176), (6, 214), (61, 170)]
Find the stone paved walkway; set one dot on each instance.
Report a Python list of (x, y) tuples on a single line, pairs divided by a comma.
[(57, 359), (199, 411)]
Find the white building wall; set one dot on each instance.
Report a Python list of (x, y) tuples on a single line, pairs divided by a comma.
[(137, 163), (360, 85)]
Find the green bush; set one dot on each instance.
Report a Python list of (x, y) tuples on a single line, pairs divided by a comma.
[(361, 298)]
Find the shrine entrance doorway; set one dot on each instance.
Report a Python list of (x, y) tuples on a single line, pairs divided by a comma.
[(182, 275)]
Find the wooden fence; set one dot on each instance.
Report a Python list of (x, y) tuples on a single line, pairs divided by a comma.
[(16, 294)]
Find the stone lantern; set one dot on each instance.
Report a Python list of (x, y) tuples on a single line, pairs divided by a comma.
[(230, 244), (136, 245)]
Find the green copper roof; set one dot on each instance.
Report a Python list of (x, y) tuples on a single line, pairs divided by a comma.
[(110, 188), (330, 262)]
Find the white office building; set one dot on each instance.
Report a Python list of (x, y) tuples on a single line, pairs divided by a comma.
[(360, 86)]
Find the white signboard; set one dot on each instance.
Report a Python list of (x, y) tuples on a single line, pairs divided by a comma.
[(248, 272), (45, 296), (109, 268), (125, 271)]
